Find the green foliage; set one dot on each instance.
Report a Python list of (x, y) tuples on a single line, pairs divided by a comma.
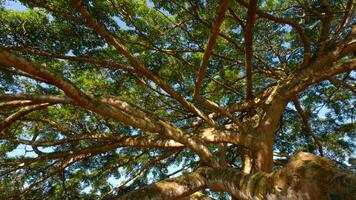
[(169, 37)]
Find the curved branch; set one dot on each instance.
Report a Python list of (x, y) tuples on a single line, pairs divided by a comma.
[(159, 125), (19, 114)]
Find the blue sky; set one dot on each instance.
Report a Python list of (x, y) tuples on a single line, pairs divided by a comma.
[(27, 150), (14, 5)]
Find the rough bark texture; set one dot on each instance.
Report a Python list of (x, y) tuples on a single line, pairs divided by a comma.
[(192, 120), (306, 176)]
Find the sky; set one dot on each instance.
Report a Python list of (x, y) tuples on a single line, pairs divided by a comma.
[(14, 5), (27, 150)]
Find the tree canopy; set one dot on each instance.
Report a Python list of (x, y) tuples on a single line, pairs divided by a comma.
[(195, 99)]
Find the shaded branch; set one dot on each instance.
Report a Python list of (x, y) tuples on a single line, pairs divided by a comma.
[(19, 114), (346, 19), (223, 5), (295, 25), (326, 25), (306, 125), (101, 63), (350, 86), (91, 22), (249, 46), (321, 69)]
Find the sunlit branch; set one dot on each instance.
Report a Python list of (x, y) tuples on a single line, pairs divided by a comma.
[(197, 196), (169, 189), (17, 103), (22, 73)]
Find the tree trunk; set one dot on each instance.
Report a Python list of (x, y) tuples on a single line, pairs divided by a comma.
[(306, 176)]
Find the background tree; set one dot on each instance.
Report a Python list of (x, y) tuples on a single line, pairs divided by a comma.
[(177, 99)]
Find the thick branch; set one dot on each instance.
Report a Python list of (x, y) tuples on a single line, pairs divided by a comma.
[(306, 176), (169, 189), (197, 196)]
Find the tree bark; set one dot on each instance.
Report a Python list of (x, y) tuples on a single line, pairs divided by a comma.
[(306, 176)]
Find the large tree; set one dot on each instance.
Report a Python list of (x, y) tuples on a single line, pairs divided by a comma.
[(183, 99)]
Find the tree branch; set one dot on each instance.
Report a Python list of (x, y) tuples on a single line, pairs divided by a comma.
[(73, 92), (91, 22), (223, 6), (101, 63), (122, 107), (350, 86), (249, 47), (346, 19), (326, 21), (321, 69), (169, 189), (295, 25), (19, 114), (307, 128), (300, 178), (197, 196)]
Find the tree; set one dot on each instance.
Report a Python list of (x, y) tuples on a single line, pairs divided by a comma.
[(180, 99)]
